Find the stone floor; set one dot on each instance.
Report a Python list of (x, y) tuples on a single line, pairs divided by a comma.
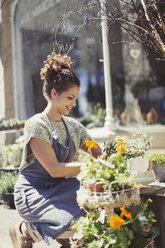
[(10, 216)]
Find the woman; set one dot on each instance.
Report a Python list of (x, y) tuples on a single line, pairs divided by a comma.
[(45, 193)]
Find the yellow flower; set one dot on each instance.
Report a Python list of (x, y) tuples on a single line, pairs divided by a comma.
[(121, 147), (116, 221), (119, 139), (150, 200), (90, 144), (125, 212)]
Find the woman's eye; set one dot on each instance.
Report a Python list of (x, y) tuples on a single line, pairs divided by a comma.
[(70, 98)]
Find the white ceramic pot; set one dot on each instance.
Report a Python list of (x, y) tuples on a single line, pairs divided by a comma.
[(140, 165)]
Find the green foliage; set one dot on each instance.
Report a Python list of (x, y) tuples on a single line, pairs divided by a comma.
[(157, 158), (13, 154), (7, 181), (114, 173), (96, 115)]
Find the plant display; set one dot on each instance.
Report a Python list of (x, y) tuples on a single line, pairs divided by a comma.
[(157, 158), (11, 124), (108, 193), (7, 181), (124, 228), (8, 124)]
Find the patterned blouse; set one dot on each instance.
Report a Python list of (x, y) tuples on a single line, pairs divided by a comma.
[(39, 127)]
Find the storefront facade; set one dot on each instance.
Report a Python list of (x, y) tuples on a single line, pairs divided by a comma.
[(138, 91)]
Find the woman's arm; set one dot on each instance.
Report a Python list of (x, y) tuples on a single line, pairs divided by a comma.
[(45, 154)]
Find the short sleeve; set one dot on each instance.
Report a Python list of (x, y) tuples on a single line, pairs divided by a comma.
[(34, 128), (37, 129)]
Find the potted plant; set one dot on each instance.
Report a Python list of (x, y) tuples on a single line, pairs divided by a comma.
[(157, 161), (13, 154), (7, 183), (124, 228)]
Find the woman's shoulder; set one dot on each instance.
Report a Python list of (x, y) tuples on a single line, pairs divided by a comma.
[(72, 121), (36, 120)]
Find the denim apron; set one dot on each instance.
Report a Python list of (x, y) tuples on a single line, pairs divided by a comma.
[(48, 203)]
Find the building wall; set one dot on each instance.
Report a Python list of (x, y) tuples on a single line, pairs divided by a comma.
[(7, 109)]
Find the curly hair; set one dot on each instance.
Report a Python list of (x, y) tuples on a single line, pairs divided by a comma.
[(58, 74)]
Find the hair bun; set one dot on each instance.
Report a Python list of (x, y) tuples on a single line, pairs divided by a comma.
[(55, 63)]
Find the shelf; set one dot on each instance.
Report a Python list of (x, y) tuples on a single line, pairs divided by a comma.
[(11, 131)]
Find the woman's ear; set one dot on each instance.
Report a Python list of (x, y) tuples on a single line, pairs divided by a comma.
[(53, 94)]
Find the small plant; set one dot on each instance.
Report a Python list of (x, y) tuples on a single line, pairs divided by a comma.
[(157, 158), (157, 162), (7, 181)]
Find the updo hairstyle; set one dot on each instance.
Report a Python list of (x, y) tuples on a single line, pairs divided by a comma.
[(58, 74)]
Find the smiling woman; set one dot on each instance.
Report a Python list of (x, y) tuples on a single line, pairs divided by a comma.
[(45, 192)]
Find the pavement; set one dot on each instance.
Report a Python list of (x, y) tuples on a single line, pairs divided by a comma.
[(9, 216)]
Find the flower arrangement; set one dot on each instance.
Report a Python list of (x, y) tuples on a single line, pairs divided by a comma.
[(136, 145), (114, 172), (124, 228)]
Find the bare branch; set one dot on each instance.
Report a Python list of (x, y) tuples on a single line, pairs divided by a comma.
[(142, 20)]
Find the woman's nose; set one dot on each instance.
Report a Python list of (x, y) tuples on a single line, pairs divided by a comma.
[(74, 103)]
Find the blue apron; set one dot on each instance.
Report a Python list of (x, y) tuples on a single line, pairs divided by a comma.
[(48, 203)]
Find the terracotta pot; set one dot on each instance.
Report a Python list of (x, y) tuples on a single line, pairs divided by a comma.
[(95, 187), (21, 125)]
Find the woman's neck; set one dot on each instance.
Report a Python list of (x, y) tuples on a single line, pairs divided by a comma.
[(52, 113)]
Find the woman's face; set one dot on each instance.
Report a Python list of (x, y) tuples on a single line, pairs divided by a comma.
[(65, 101)]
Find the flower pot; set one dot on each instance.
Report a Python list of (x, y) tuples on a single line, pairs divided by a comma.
[(94, 187), (21, 125), (159, 172), (8, 199), (140, 165)]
